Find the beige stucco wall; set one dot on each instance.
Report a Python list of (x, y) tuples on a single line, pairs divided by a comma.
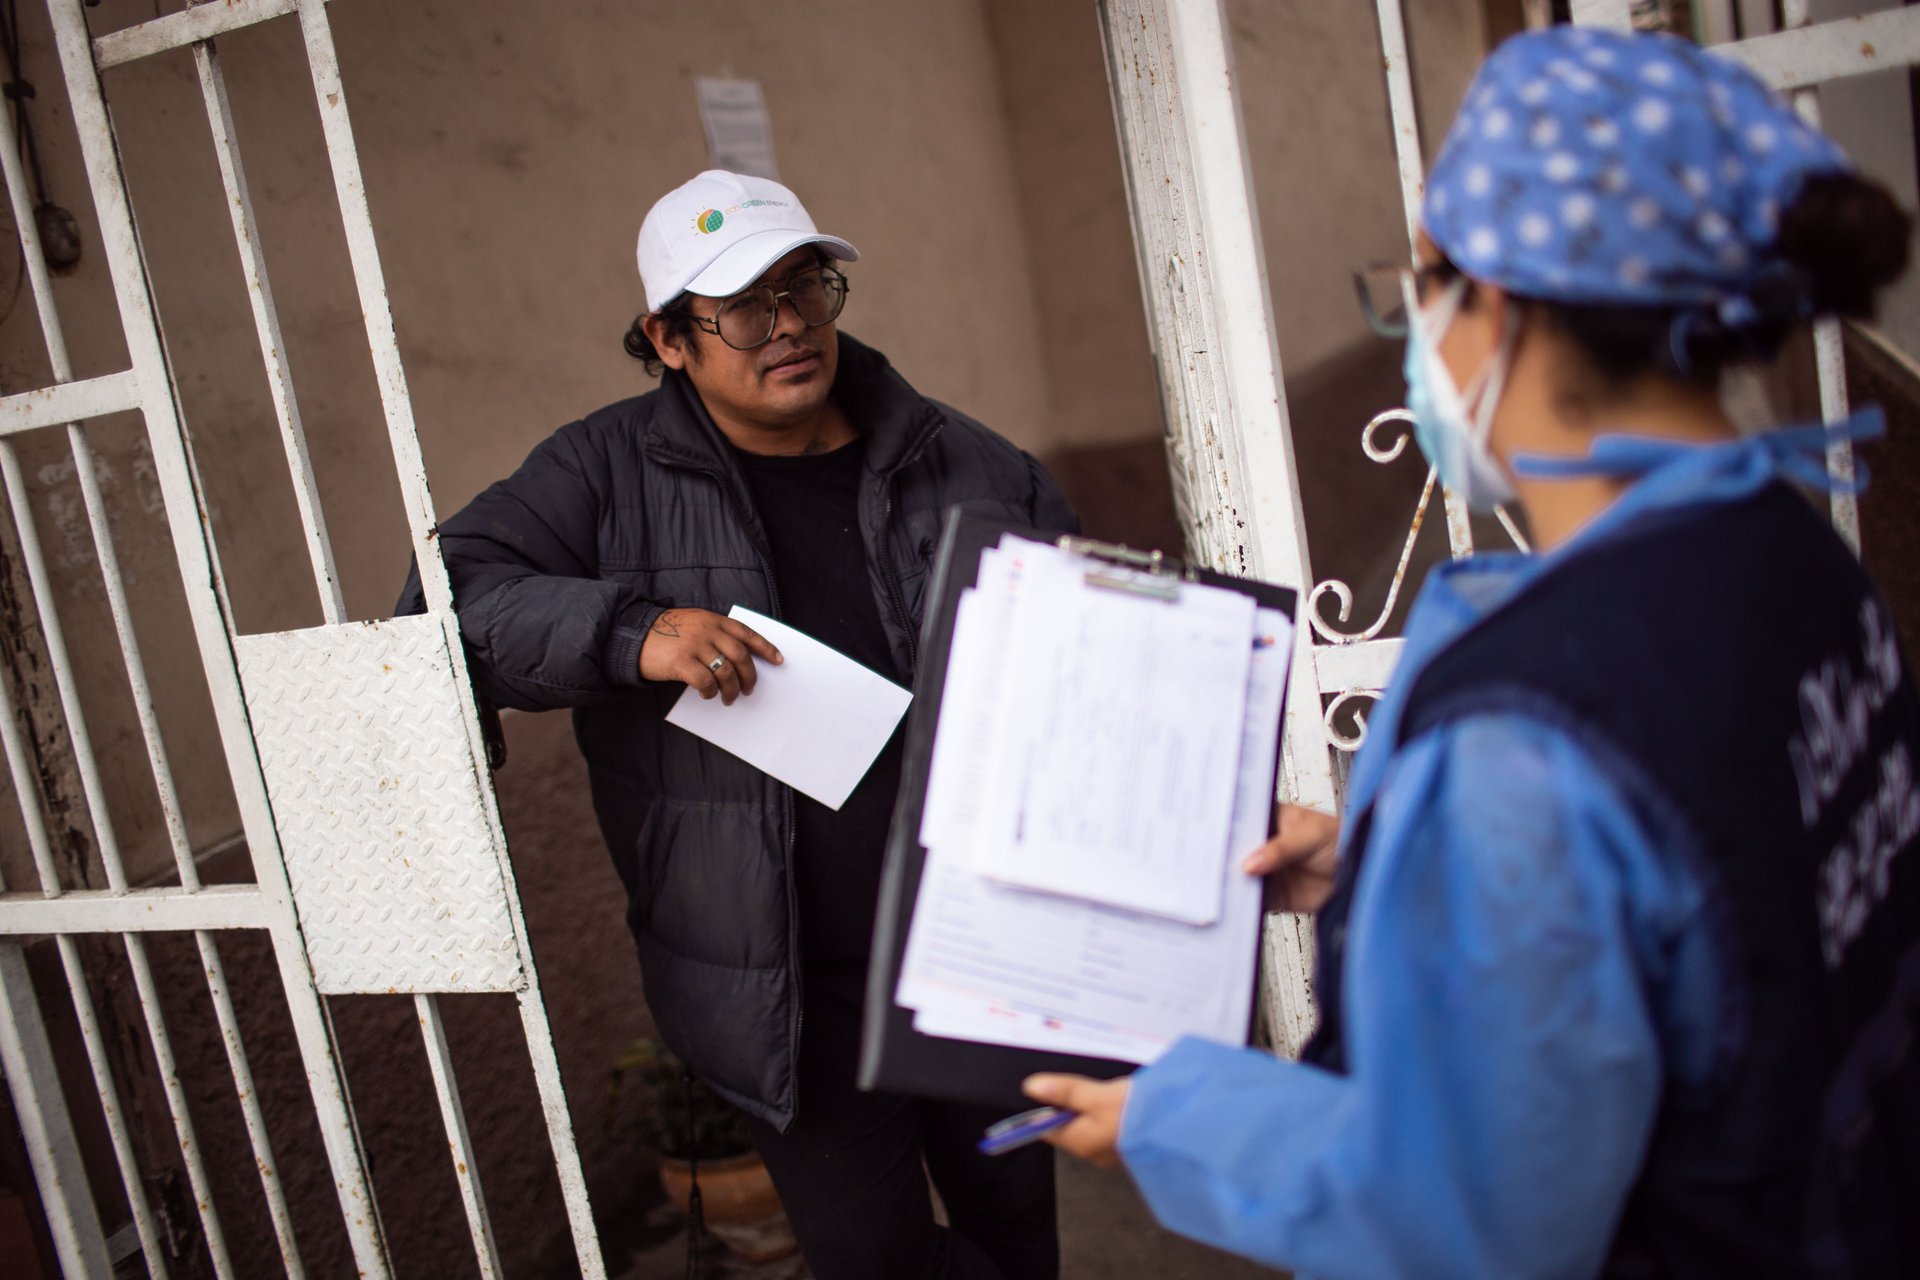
[(509, 151), (1073, 203)]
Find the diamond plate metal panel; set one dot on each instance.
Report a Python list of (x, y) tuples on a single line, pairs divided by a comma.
[(381, 814)]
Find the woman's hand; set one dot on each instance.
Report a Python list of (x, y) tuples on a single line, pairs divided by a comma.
[(685, 645), (1095, 1136), (1298, 863)]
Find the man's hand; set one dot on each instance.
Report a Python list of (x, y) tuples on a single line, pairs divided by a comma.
[(684, 645), (1095, 1136), (1299, 862)]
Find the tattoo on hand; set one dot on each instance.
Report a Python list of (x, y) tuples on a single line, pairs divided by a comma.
[(664, 626)]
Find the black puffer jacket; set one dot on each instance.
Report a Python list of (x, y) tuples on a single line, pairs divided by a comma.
[(558, 572)]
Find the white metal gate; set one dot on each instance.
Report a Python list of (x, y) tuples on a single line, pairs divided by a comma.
[(1210, 321), (353, 748)]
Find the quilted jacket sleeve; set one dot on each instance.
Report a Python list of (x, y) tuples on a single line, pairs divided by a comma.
[(542, 629), (1050, 510)]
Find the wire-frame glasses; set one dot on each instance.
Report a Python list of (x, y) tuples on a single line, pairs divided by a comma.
[(1386, 289), (748, 318)]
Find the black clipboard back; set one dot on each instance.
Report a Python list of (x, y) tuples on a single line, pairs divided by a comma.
[(894, 1056)]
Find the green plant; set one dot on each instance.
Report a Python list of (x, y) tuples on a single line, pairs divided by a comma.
[(687, 1119)]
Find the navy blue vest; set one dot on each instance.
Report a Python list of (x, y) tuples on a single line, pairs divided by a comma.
[(1737, 672)]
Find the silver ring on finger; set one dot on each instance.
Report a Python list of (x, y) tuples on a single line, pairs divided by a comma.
[(716, 664)]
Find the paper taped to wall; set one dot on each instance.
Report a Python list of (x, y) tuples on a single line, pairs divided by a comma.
[(739, 133)]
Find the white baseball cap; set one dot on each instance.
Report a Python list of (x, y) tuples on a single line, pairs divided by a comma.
[(717, 234)]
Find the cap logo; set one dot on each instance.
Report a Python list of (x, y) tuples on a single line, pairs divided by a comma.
[(708, 221)]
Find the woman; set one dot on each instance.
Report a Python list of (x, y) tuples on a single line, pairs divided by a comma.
[(1619, 971)]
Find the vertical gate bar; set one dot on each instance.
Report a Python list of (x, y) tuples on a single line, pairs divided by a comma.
[(466, 1169), (353, 1117), (1407, 149), (91, 1040), (1459, 523), (1409, 154), (1163, 260), (33, 1079), (26, 788), (59, 659), (566, 1155), (350, 189), (1183, 154), (212, 622), (122, 613), (1604, 13), (1829, 346), (1830, 360), (176, 1095), (152, 1245), (270, 1185), (1717, 20), (266, 320)]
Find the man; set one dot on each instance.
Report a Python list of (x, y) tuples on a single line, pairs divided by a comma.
[(783, 466)]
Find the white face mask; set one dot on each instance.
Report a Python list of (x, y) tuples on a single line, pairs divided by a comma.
[(1452, 427)]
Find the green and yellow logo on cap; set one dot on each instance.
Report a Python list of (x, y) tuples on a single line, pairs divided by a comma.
[(708, 222)]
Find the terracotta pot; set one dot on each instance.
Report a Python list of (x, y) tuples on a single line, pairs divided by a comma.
[(738, 1202)]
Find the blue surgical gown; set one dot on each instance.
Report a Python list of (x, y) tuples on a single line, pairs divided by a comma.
[(1526, 967)]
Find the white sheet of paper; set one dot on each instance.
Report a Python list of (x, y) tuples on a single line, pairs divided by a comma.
[(739, 135), (962, 769), (1118, 748), (816, 722), (989, 962), (990, 1022)]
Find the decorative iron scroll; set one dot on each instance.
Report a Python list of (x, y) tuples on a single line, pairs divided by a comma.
[(1381, 450)]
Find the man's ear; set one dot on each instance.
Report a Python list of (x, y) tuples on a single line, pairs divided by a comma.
[(660, 334)]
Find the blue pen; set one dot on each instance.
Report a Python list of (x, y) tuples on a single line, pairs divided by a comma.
[(1017, 1131)]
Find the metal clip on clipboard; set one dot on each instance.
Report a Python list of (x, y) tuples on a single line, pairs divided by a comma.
[(1153, 574)]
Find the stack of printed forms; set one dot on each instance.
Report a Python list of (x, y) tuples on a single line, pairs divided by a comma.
[(1103, 760)]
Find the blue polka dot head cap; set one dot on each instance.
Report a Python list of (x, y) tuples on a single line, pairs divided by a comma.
[(1602, 167)]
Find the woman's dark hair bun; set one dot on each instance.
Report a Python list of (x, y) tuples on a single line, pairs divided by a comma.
[(1848, 237)]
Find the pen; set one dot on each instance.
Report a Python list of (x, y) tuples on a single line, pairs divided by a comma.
[(1017, 1131)]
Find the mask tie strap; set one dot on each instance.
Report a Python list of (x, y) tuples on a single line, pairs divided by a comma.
[(1800, 452)]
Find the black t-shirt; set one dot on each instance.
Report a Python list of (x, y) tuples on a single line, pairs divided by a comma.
[(809, 506)]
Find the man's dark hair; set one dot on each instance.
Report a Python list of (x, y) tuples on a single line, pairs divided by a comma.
[(680, 327)]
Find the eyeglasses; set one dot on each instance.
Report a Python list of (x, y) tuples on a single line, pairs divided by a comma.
[(1386, 288), (747, 319)]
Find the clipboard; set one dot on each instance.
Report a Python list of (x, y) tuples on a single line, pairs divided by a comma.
[(894, 1055)]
